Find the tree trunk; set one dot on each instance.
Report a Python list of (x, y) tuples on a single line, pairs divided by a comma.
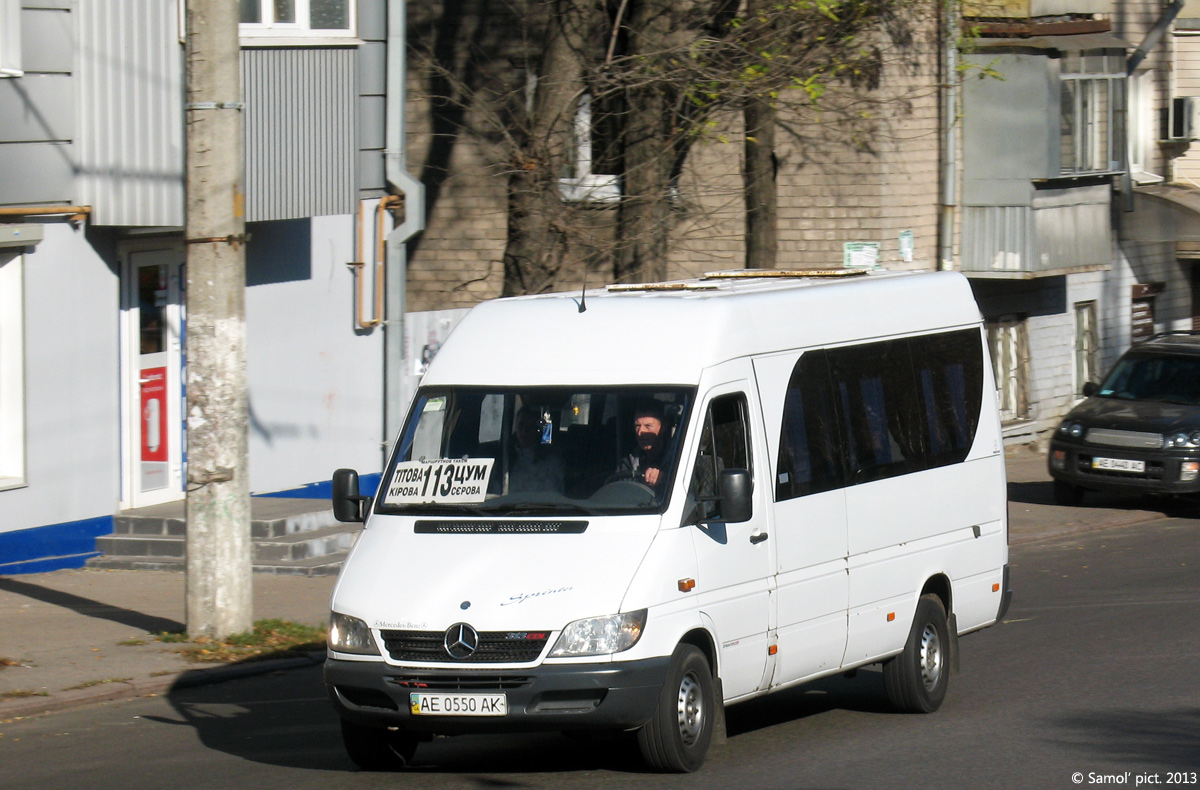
[(536, 244), (644, 214), (758, 177), (219, 600)]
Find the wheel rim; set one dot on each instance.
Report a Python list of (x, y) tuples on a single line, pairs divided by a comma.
[(690, 709), (931, 657)]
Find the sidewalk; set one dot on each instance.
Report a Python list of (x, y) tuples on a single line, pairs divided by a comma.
[(80, 637)]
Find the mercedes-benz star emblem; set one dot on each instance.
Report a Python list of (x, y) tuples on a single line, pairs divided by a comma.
[(461, 640)]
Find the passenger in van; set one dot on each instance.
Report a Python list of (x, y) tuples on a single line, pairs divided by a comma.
[(533, 466), (650, 431)]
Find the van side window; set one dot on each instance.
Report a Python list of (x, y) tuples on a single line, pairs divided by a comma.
[(879, 417), (724, 444), (810, 453), (876, 410)]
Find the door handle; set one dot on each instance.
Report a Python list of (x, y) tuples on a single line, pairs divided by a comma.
[(758, 537)]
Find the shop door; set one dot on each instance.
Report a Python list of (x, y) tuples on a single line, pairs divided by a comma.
[(152, 321)]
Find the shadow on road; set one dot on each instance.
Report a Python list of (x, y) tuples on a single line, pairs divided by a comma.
[(1042, 493), (284, 719), (1160, 741), (86, 606)]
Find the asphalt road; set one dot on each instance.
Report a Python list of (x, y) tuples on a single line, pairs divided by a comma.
[(1093, 675)]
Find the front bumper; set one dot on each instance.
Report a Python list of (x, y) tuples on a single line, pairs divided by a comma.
[(613, 696), (1161, 476)]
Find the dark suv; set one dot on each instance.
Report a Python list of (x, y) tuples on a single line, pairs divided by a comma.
[(1138, 431)]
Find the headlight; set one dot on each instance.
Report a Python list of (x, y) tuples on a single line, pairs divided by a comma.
[(596, 636), (1183, 439), (1072, 429), (350, 635)]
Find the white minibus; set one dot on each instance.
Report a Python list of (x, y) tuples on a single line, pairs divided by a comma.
[(625, 509)]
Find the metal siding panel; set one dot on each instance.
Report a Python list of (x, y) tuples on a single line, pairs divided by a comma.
[(301, 106), (37, 107), (46, 38), (35, 172), (131, 100)]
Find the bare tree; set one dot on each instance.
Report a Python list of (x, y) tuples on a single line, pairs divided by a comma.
[(658, 73)]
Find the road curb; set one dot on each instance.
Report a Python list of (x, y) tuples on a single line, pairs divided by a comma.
[(152, 686)]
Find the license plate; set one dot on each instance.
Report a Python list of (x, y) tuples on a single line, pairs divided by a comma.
[(424, 704), (1119, 464)]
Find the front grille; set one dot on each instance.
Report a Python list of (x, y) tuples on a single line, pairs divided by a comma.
[(1113, 438), (494, 647), (472, 682)]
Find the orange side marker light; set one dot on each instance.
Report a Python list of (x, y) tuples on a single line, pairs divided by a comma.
[(687, 585)]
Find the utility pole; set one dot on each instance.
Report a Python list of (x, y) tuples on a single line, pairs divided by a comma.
[(219, 598)]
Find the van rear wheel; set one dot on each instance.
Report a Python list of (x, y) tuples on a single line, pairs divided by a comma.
[(677, 737), (377, 748), (916, 680)]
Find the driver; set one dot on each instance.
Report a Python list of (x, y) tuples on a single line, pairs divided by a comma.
[(645, 464)]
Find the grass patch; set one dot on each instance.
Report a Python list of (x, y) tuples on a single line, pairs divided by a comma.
[(268, 639), (22, 694), (171, 637), (132, 642), (8, 662), (88, 684)]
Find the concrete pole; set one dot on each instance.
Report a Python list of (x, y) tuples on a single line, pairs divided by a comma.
[(218, 492)]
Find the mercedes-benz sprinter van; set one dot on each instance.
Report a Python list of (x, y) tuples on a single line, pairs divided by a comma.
[(626, 509)]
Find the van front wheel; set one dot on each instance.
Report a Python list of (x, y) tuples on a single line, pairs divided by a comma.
[(916, 679), (677, 737), (376, 748)]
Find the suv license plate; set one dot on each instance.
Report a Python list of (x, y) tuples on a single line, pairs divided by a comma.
[(1119, 464), (423, 704)]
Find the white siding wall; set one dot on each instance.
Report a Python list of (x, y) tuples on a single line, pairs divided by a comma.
[(316, 384), (72, 407)]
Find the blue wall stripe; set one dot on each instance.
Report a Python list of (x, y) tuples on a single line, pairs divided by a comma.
[(71, 543)]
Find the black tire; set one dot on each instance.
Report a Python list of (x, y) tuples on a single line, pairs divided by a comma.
[(1067, 494), (916, 680), (677, 737), (376, 748)]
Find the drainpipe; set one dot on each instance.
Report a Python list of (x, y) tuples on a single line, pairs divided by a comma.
[(949, 158), (396, 262), (1153, 37)]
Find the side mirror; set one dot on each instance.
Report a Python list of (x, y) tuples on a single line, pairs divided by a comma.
[(737, 501), (347, 502), (1090, 389)]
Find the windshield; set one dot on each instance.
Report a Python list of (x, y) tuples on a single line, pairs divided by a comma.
[(1170, 379), (552, 451)]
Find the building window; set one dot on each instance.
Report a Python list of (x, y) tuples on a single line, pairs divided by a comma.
[(12, 371), (297, 18), (592, 178), (1009, 344), (1141, 127), (1092, 113), (10, 38), (1087, 345)]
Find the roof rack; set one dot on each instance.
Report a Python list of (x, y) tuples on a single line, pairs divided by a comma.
[(742, 274), (673, 286)]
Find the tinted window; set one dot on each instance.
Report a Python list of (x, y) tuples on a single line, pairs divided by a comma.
[(876, 410)]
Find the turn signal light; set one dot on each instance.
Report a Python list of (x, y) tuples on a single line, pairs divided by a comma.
[(995, 588), (891, 616), (772, 650), (687, 585)]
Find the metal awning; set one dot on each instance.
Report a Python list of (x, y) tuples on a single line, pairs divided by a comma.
[(1083, 41), (1164, 213)]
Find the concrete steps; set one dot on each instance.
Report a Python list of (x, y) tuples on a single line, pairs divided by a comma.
[(297, 536)]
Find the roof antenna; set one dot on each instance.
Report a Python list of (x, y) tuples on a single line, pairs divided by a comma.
[(583, 291)]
